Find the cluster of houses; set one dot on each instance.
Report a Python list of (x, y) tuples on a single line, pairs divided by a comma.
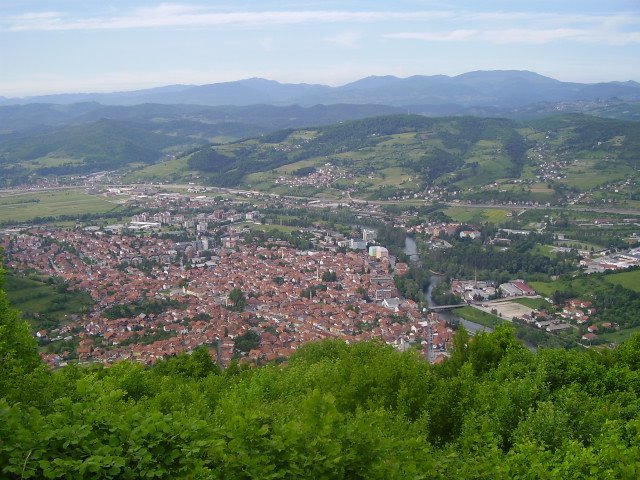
[(288, 302)]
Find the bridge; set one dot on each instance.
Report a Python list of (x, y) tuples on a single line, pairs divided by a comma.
[(442, 308)]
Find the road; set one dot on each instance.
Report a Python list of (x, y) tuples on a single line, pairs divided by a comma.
[(235, 191)]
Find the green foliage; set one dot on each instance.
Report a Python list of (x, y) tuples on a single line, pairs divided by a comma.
[(519, 260), (208, 160), (103, 145), (238, 300), (247, 341), (329, 276), (304, 171), (43, 304), (413, 284), (144, 306)]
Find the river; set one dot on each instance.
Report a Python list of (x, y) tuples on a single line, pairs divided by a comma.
[(411, 249)]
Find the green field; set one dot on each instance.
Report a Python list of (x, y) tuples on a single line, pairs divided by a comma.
[(584, 286), (45, 304), (477, 215), (630, 280), (171, 169), (478, 316), (586, 174), (535, 303), (27, 206), (619, 336)]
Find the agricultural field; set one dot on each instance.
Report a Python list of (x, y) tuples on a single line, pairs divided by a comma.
[(478, 316), (167, 170), (588, 173), (477, 215), (535, 303), (45, 304), (28, 206), (630, 280)]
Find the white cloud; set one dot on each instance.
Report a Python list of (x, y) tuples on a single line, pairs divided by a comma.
[(181, 16), (530, 36)]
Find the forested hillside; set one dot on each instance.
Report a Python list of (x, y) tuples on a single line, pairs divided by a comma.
[(483, 159), (103, 145), (494, 410)]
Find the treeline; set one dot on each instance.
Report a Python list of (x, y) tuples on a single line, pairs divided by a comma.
[(116, 212), (518, 260), (130, 310), (393, 238), (434, 164), (413, 284)]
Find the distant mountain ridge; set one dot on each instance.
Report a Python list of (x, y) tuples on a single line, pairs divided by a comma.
[(498, 89)]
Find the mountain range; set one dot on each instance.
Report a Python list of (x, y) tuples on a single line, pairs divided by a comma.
[(498, 89)]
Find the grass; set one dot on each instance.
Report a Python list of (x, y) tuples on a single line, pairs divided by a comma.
[(578, 244), (630, 280), (584, 175), (270, 227), (620, 335), (535, 303), (544, 250), (27, 206), (43, 303), (586, 285), (477, 215), (163, 170), (548, 288), (478, 316)]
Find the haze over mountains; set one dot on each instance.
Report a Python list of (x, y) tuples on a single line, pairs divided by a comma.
[(499, 89)]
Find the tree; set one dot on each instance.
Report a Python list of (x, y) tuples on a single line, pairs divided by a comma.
[(329, 276), (238, 299)]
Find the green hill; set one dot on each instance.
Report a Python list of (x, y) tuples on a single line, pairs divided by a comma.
[(103, 145), (484, 158)]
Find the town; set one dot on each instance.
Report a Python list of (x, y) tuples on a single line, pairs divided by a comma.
[(290, 296)]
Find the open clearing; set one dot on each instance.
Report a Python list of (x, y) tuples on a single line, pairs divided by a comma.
[(27, 206), (506, 309), (630, 280)]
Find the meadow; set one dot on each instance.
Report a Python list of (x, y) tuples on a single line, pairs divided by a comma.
[(630, 280), (45, 304), (27, 206)]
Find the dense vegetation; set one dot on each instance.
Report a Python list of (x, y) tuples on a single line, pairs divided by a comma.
[(103, 145), (131, 310), (493, 410), (520, 259), (44, 302)]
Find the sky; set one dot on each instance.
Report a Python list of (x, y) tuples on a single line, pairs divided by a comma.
[(57, 46)]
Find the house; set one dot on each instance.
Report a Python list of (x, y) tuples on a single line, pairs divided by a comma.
[(392, 303), (472, 234)]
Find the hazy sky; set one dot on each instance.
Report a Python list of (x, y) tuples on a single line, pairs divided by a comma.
[(105, 45)]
